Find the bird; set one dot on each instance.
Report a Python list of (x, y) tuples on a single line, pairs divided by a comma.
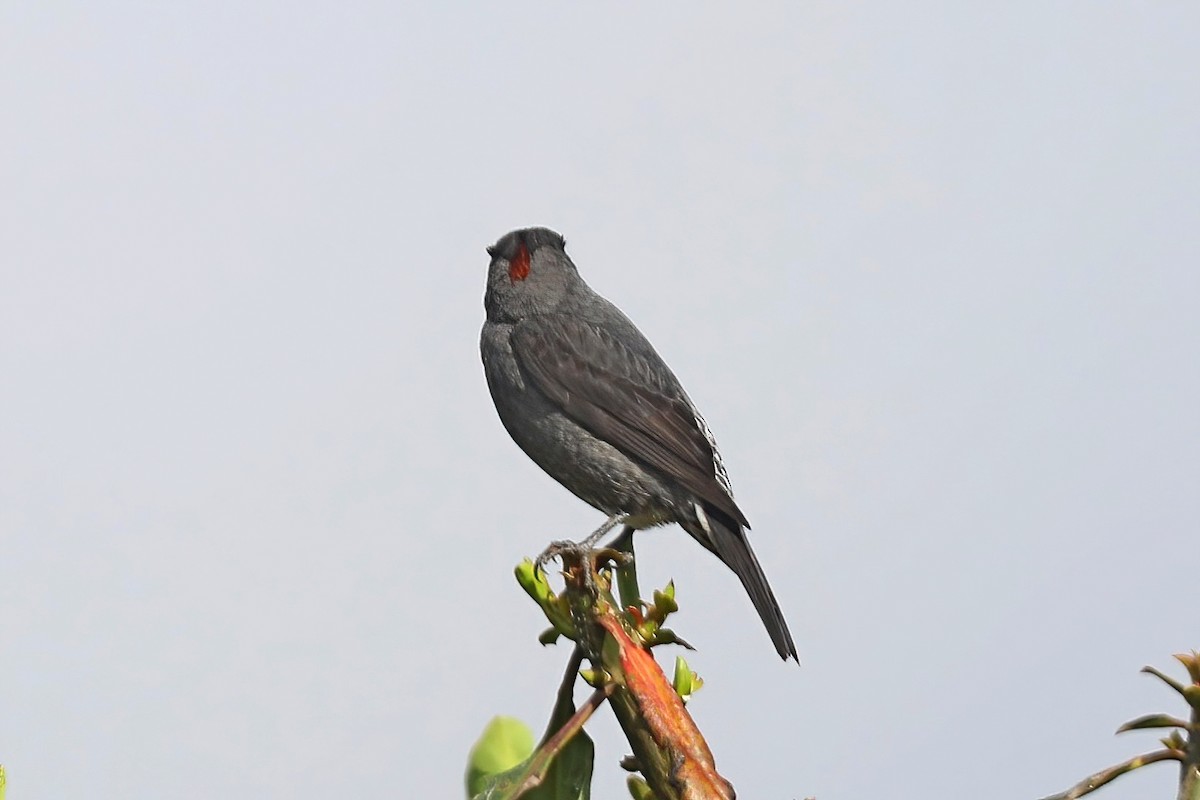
[(587, 397)]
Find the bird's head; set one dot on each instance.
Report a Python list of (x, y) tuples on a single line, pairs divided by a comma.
[(530, 273)]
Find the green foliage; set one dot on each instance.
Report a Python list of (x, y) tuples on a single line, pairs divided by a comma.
[(504, 765), (1177, 747), (570, 776), (533, 581), (505, 743), (639, 789), (685, 681), (1152, 721)]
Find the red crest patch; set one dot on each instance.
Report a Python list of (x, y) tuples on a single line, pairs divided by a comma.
[(518, 267)]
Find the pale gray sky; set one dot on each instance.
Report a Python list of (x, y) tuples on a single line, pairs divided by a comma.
[(932, 271)]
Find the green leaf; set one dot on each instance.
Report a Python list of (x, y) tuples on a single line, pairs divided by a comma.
[(570, 776), (639, 789), (533, 580), (1167, 679), (505, 743), (596, 678), (667, 636), (1152, 721), (663, 606), (1191, 661), (1174, 741), (627, 582), (685, 681)]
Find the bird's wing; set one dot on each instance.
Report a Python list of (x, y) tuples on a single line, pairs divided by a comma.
[(622, 398)]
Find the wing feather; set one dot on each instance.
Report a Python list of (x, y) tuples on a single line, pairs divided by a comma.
[(623, 398)]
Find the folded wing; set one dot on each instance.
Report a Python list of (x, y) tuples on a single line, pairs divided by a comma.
[(625, 399)]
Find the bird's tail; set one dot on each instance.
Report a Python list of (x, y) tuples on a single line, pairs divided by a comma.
[(727, 540)]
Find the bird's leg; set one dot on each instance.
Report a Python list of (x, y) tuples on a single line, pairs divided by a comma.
[(599, 533)]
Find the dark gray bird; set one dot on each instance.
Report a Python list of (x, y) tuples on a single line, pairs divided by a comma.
[(583, 393)]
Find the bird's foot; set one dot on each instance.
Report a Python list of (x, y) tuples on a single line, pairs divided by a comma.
[(582, 552)]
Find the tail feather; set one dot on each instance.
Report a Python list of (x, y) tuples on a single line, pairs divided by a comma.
[(727, 540)]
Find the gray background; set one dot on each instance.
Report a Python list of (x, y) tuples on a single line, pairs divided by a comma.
[(930, 270)]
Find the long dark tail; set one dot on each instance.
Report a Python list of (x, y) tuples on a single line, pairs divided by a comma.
[(728, 542)]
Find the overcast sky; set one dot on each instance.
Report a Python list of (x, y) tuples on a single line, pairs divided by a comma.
[(930, 270)]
